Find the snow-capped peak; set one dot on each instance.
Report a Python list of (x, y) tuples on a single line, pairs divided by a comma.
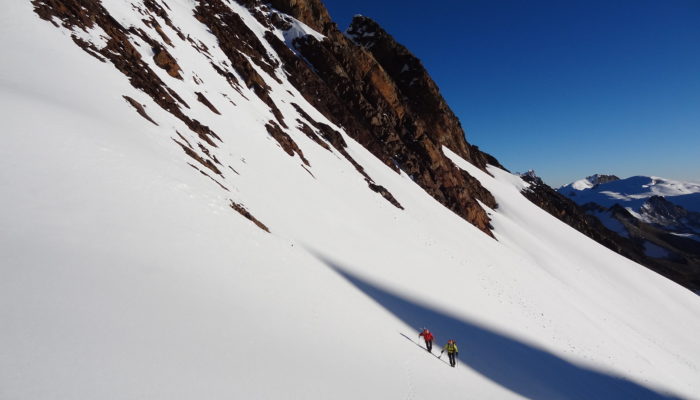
[(590, 181)]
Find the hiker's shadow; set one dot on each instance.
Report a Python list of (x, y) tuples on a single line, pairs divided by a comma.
[(531, 372)]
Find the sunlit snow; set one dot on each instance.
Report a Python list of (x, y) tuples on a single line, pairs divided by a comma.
[(125, 273)]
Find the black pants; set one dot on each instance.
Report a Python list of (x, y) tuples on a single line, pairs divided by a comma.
[(429, 345), (453, 358)]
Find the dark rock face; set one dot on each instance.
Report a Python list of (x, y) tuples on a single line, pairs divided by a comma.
[(202, 99), (289, 146), (367, 95), (139, 109), (599, 179), (421, 94), (661, 212), (246, 214), (682, 265), (311, 12), (166, 61), (403, 127)]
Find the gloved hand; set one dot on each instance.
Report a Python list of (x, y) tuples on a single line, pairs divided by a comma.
[(456, 354)]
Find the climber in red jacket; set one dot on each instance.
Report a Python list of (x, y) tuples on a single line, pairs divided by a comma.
[(428, 337)]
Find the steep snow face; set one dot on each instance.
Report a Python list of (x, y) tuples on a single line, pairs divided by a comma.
[(632, 192), (127, 274)]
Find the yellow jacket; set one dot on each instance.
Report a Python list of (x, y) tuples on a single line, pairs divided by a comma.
[(451, 348)]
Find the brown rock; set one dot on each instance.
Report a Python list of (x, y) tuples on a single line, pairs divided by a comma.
[(394, 127), (245, 213), (311, 12), (202, 99), (165, 60), (139, 109), (285, 141)]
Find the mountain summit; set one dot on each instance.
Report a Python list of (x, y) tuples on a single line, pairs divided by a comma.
[(588, 182), (236, 199)]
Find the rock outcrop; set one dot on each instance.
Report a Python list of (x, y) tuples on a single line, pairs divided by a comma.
[(403, 124), (362, 80), (311, 12), (672, 217)]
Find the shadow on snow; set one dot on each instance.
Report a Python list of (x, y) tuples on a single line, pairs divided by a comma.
[(519, 367)]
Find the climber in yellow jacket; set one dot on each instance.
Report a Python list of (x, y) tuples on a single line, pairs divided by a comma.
[(452, 351)]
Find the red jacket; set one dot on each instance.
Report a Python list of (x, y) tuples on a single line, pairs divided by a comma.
[(427, 335)]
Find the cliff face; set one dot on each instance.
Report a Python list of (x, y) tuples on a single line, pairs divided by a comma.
[(414, 83), (386, 100), (311, 12)]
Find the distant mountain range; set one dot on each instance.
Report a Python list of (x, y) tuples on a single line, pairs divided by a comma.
[(657, 219), (673, 206)]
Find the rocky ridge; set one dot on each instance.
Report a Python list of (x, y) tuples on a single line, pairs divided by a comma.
[(399, 116), (377, 91), (659, 211)]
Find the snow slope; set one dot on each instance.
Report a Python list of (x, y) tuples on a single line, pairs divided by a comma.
[(125, 273)]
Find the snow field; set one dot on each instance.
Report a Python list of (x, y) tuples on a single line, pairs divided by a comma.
[(126, 274)]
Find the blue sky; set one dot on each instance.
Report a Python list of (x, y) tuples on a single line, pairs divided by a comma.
[(568, 88)]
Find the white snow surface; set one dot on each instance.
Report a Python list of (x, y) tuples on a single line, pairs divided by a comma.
[(582, 184), (125, 273)]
